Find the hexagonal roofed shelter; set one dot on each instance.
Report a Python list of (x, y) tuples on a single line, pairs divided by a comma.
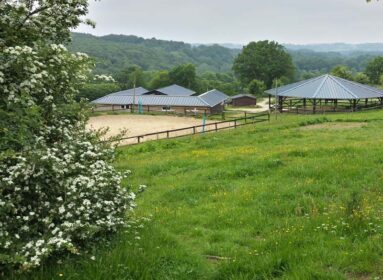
[(326, 94)]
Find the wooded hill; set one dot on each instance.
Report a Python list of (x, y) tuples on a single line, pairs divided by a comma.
[(114, 53)]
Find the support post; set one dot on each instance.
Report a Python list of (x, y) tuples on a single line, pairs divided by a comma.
[(269, 101), (280, 104), (314, 106)]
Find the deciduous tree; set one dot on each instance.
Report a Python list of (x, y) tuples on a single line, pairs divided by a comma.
[(342, 71), (375, 69), (264, 61)]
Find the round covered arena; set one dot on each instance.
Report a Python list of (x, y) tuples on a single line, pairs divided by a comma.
[(326, 94)]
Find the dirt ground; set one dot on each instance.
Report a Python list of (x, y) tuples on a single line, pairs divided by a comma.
[(143, 124), (261, 107), (335, 126)]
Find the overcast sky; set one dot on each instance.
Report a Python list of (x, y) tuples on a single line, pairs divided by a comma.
[(241, 21)]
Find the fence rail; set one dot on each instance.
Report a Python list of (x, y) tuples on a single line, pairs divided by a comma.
[(193, 130)]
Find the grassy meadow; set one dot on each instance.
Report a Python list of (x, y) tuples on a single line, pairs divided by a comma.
[(300, 197)]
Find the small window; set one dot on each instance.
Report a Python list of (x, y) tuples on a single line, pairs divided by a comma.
[(122, 107), (166, 108)]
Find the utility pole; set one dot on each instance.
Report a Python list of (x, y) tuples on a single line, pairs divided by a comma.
[(134, 92), (276, 102)]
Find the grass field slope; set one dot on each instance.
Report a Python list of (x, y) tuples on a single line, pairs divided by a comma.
[(299, 198)]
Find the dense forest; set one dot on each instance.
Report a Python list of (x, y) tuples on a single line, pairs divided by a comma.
[(152, 63), (116, 52)]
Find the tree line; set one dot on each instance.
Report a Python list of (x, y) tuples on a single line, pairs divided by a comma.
[(152, 64)]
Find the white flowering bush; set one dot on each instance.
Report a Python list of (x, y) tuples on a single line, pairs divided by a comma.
[(56, 196), (58, 188)]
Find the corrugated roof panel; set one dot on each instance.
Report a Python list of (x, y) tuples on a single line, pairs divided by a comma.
[(153, 100), (363, 91), (331, 89), (213, 97), (176, 90), (290, 86), (138, 91)]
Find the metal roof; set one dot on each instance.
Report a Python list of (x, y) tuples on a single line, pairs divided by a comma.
[(175, 90), (153, 100), (242, 95), (213, 97), (327, 87), (208, 99), (139, 91)]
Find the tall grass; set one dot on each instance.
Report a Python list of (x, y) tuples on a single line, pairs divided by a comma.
[(260, 202)]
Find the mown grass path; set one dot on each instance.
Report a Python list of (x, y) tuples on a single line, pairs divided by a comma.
[(268, 201)]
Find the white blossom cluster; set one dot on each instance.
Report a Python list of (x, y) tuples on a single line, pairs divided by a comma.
[(49, 73), (104, 78), (53, 197)]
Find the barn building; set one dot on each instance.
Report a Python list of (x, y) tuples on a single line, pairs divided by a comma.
[(243, 100), (326, 94), (172, 99)]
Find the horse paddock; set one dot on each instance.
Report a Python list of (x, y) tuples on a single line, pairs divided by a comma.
[(140, 124)]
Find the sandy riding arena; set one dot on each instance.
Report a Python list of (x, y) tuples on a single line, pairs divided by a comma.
[(142, 124)]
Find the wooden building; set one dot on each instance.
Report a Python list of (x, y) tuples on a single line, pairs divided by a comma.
[(243, 100)]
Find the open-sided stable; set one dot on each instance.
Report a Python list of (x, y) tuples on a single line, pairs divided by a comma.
[(326, 94)]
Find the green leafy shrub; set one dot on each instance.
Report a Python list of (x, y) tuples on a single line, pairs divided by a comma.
[(58, 189)]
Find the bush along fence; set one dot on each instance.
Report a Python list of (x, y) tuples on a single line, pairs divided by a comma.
[(194, 130)]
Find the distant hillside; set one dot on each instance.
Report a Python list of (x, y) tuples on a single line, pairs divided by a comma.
[(339, 47), (116, 52)]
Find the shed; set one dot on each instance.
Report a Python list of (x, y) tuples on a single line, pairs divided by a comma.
[(243, 100)]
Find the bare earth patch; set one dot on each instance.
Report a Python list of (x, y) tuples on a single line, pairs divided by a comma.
[(335, 125), (143, 124)]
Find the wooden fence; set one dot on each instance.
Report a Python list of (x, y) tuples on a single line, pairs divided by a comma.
[(193, 130)]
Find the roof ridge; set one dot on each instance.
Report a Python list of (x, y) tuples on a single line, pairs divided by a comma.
[(208, 92), (363, 86), (345, 88), (321, 85), (303, 84)]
